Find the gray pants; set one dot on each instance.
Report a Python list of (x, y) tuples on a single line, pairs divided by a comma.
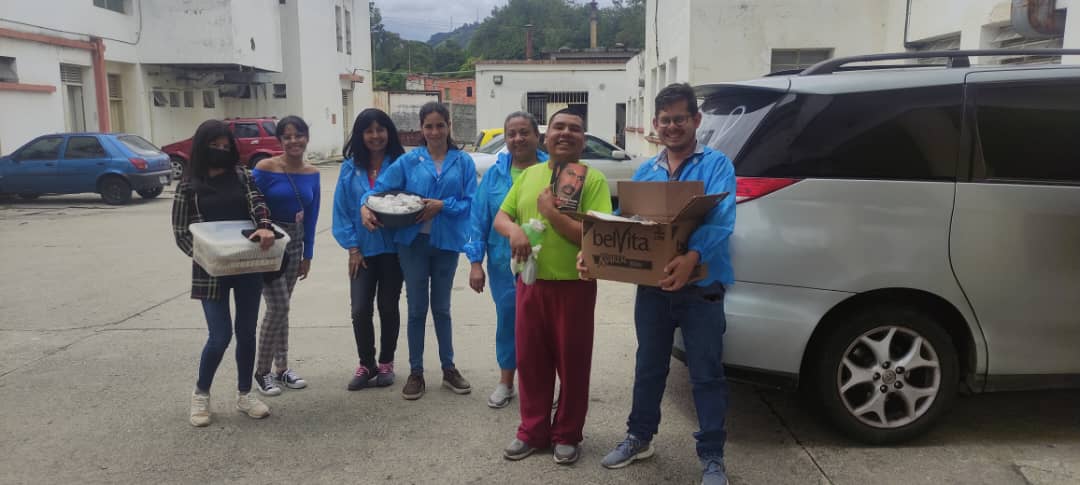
[(274, 332)]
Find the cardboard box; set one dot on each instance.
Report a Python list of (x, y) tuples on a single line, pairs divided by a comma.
[(656, 223)]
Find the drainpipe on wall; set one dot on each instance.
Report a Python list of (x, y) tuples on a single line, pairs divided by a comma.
[(101, 83), (1037, 19), (96, 47)]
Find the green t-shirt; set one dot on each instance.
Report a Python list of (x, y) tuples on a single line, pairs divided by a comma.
[(558, 256), (515, 173)]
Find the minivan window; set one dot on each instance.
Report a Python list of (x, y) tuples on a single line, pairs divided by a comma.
[(1027, 131), (270, 128), (903, 134), (729, 118)]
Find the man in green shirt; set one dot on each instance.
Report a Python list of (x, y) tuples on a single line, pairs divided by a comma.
[(555, 315)]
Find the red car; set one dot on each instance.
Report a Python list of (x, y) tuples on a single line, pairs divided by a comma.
[(254, 135)]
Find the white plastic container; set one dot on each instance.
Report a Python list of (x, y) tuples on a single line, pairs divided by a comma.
[(221, 249)]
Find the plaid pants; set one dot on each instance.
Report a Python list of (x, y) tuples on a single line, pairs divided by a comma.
[(274, 335)]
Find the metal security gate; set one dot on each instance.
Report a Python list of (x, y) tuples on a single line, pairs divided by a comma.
[(543, 105)]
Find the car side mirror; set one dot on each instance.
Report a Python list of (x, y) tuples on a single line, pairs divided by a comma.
[(619, 155)]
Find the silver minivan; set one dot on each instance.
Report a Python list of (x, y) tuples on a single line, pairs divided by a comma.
[(903, 232)]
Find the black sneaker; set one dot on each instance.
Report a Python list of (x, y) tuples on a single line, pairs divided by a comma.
[(290, 379), (266, 385)]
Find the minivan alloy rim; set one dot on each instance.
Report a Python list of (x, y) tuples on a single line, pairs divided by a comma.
[(889, 377)]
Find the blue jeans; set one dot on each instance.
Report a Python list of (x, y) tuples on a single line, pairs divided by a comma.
[(422, 263), (503, 285), (247, 291), (699, 312)]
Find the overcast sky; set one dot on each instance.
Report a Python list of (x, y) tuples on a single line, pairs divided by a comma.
[(419, 19)]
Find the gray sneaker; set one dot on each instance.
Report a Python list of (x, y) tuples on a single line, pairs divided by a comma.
[(714, 472), (385, 375), (517, 450), (501, 397), (566, 454), (626, 452)]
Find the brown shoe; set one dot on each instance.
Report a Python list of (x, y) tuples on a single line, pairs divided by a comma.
[(451, 379), (414, 387)]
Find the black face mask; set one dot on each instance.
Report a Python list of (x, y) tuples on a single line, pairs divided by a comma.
[(217, 158)]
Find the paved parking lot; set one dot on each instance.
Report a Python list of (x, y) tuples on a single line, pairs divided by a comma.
[(99, 345)]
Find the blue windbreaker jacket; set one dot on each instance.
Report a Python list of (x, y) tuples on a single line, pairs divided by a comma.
[(712, 237), (348, 229), (455, 185), (489, 197)]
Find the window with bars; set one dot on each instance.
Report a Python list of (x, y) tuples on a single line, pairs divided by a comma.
[(189, 99), (71, 74), (114, 5), (161, 100), (543, 105), (797, 59), (348, 32), (174, 99), (209, 101), (337, 23), (279, 91)]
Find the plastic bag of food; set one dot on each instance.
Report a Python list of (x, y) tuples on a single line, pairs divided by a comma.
[(534, 230)]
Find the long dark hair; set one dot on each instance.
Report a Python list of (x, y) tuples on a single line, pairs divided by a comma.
[(296, 122), (436, 107), (207, 132), (358, 151)]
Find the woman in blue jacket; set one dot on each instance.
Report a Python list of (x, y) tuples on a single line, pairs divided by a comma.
[(374, 269), (522, 139), (445, 177)]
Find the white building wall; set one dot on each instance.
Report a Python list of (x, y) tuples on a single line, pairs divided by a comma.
[(605, 83), (212, 32)]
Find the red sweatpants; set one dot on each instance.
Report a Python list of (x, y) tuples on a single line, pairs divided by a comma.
[(554, 333)]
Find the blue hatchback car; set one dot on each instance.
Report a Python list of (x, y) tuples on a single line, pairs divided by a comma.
[(110, 164)]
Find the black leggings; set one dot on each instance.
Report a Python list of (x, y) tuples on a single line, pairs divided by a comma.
[(381, 278)]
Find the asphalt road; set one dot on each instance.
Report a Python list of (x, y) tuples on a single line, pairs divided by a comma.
[(99, 345)]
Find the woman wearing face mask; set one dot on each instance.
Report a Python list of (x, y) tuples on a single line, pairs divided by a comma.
[(374, 270), (215, 187), (446, 178), (291, 188), (522, 139)]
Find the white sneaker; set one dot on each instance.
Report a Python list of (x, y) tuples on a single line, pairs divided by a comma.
[(501, 397), (251, 406), (200, 409)]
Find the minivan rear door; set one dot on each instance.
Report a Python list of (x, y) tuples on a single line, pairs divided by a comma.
[(1015, 237)]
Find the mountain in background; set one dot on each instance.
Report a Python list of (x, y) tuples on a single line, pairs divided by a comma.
[(460, 36)]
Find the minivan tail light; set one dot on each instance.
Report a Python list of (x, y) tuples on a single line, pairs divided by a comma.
[(750, 188), (138, 163)]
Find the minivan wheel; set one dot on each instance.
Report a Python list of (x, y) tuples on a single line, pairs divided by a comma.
[(887, 374), (115, 191)]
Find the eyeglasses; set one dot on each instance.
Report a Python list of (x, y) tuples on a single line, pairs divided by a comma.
[(674, 120)]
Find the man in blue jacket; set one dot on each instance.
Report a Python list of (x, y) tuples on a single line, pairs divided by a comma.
[(698, 308), (522, 135)]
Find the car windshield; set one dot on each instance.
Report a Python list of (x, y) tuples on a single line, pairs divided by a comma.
[(138, 145), (729, 118), (492, 147)]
